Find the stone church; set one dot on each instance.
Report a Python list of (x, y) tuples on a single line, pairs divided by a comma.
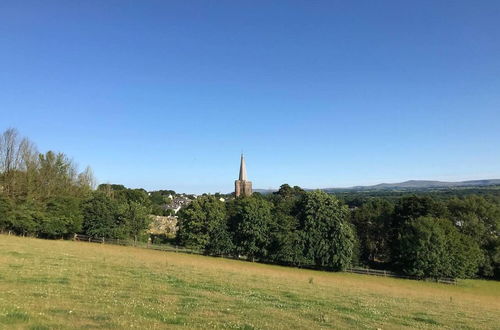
[(242, 187)]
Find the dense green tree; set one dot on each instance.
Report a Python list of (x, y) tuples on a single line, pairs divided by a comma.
[(5, 213), (203, 225), (26, 218), (159, 198), (407, 209), (433, 248), (219, 239), (134, 208), (250, 222), (100, 214), (412, 207), (285, 238), (479, 219), (372, 221), (327, 236), (63, 217), (136, 217), (111, 187)]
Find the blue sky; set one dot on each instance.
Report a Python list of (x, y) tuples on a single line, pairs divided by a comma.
[(166, 94)]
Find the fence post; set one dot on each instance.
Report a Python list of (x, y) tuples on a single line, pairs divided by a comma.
[(103, 240)]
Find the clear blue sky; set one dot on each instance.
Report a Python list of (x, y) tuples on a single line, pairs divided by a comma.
[(166, 94)]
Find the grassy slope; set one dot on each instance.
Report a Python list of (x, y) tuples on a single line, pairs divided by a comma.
[(61, 284)]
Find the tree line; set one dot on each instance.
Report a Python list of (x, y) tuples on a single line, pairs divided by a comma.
[(416, 235), (430, 237)]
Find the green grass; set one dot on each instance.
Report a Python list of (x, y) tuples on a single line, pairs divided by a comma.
[(65, 285)]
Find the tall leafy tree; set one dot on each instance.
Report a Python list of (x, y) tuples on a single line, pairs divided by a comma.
[(219, 239), (5, 213), (203, 225), (285, 239), (373, 224), (100, 214), (479, 219), (27, 217), (328, 237), (250, 222), (63, 217), (407, 209), (134, 209), (433, 248)]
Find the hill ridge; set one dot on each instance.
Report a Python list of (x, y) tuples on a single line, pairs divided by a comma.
[(409, 184)]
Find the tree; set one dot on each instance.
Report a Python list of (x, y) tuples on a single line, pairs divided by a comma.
[(412, 207), (249, 222), (285, 240), (373, 224), (219, 239), (203, 225), (5, 213), (26, 218), (134, 209), (433, 248), (86, 179), (63, 217), (479, 219), (327, 236), (56, 175), (100, 214), (135, 216), (407, 209), (14, 152)]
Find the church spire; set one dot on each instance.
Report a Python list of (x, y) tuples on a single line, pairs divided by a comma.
[(243, 187), (243, 169)]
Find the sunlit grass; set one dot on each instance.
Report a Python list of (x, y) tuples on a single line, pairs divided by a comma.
[(60, 284)]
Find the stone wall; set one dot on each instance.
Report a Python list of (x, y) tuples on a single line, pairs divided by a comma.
[(163, 225)]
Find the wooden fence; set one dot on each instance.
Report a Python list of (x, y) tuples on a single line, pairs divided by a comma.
[(387, 273), (172, 248), (114, 241)]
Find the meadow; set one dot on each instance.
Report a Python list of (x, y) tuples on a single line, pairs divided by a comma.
[(63, 284)]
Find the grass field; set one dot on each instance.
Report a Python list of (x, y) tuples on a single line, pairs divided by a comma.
[(62, 284)]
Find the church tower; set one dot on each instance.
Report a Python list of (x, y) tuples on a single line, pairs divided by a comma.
[(242, 187)]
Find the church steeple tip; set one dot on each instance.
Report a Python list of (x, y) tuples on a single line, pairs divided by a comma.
[(243, 169)]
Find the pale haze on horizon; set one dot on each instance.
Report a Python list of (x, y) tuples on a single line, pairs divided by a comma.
[(166, 95)]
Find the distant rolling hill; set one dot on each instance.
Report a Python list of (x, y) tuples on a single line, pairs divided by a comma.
[(408, 185)]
